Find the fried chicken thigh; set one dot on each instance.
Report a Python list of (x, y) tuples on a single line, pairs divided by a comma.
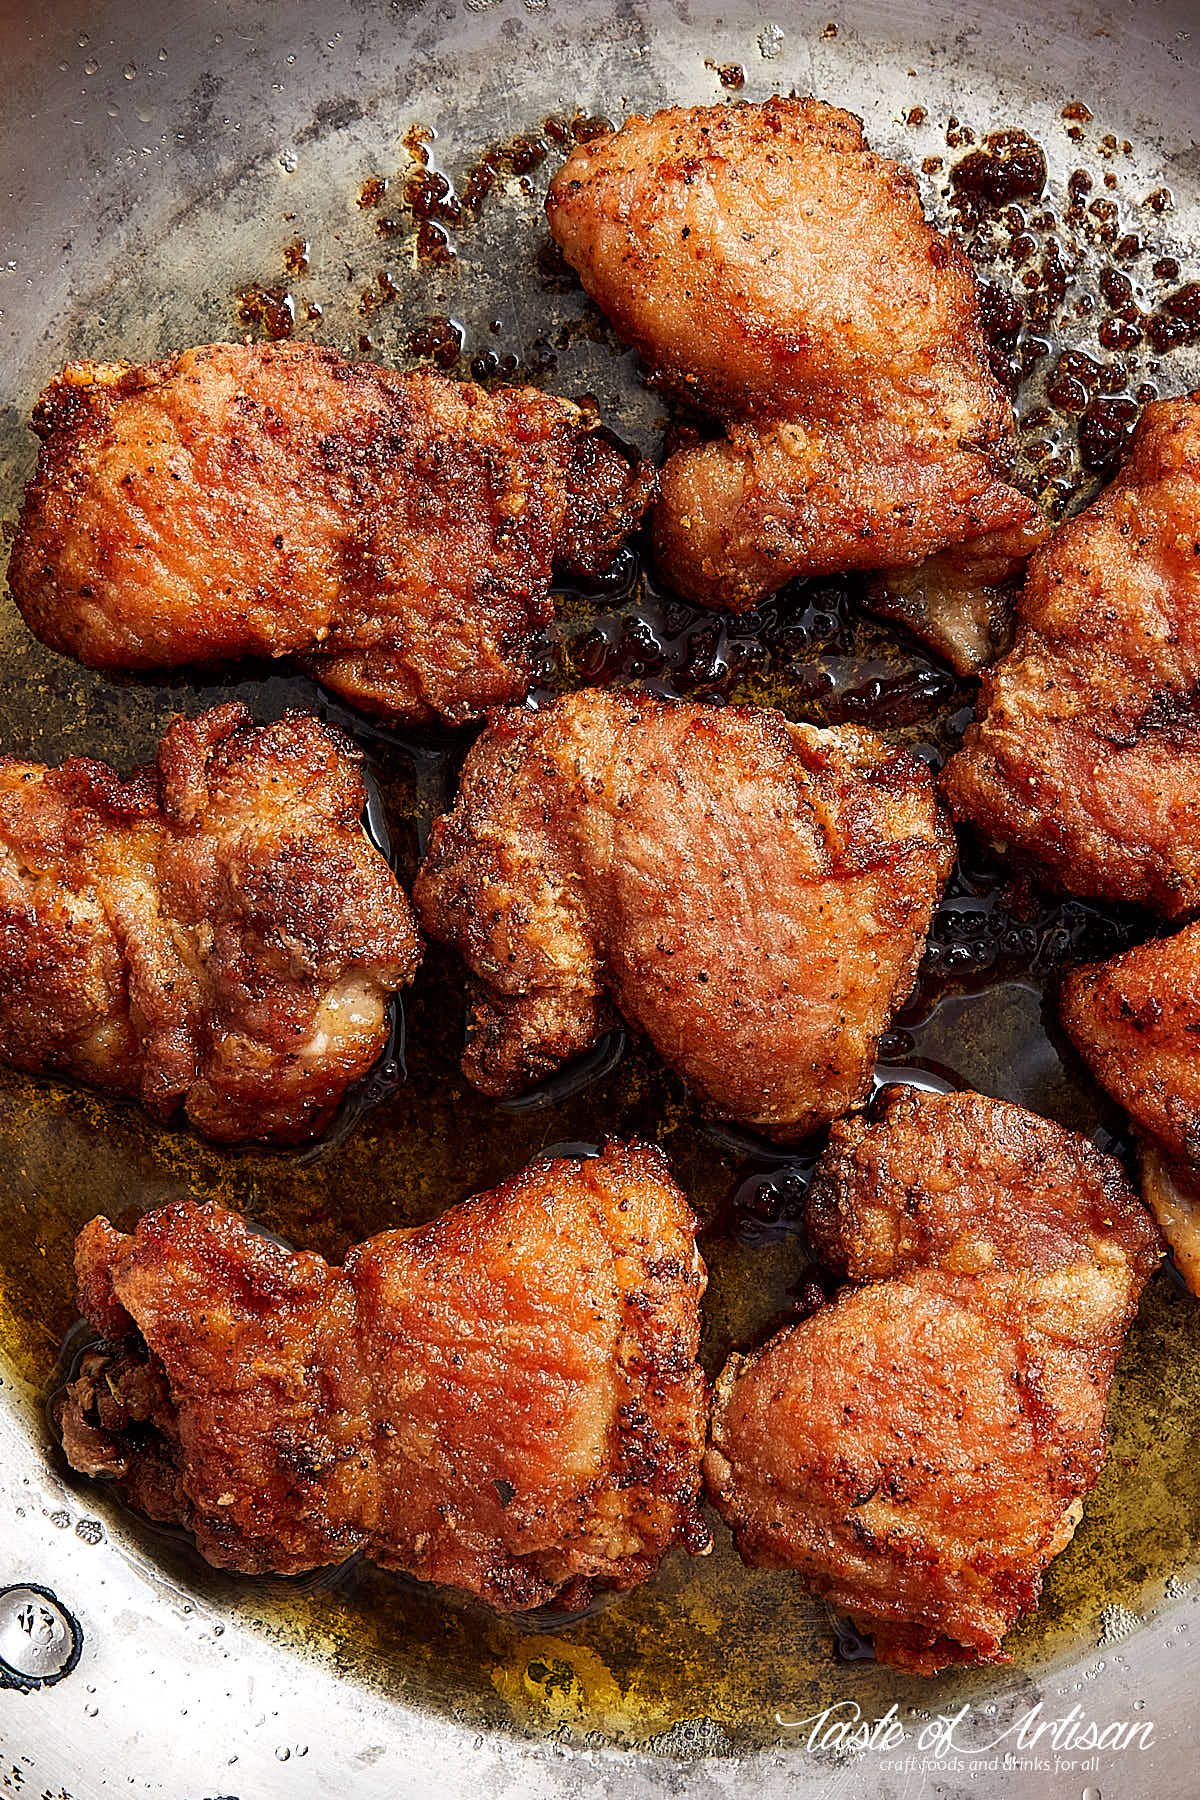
[(216, 933), (1136, 1021), (917, 1450), (752, 895), (506, 1400), (776, 274), (398, 530), (1085, 760)]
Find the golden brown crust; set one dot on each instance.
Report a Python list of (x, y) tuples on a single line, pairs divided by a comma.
[(216, 933), (752, 895), (772, 270), (1136, 1021), (506, 1400), (398, 530), (914, 1449), (1085, 758)]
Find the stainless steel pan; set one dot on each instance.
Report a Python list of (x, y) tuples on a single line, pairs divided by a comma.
[(156, 162)]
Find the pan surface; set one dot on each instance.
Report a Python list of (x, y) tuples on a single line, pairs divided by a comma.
[(177, 173)]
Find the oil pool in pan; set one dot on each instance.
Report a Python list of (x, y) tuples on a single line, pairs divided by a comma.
[(1091, 313)]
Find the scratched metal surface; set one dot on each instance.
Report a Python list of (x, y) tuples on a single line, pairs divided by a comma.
[(173, 174)]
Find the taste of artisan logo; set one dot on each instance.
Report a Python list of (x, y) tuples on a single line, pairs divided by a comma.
[(959, 1740)]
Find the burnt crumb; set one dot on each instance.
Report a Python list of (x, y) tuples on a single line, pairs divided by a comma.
[(1121, 333), (372, 191), (586, 127), (382, 292), (296, 256), (271, 309), (557, 275), (429, 195), (1008, 166), (490, 365), (730, 75), (1116, 287), (1001, 318), (1177, 322), (433, 244), (1078, 374), (1105, 428), (439, 339)]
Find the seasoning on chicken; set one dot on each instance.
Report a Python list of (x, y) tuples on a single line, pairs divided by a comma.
[(506, 1400), (1136, 1021), (752, 895), (397, 530), (1084, 763), (918, 1449), (216, 933), (776, 274)]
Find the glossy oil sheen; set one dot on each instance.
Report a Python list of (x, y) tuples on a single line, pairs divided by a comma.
[(440, 255)]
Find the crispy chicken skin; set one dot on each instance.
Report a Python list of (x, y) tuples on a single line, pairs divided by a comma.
[(506, 1400), (752, 895), (1085, 760), (398, 530), (1136, 1022), (917, 1449), (776, 274), (216, 933)]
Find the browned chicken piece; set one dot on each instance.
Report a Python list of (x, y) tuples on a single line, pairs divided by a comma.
[(506, 1400), (397, 530), (775, 273), (1085, 760), (1136, 1021), (752, 895), (918, 1449), (216, 933)]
